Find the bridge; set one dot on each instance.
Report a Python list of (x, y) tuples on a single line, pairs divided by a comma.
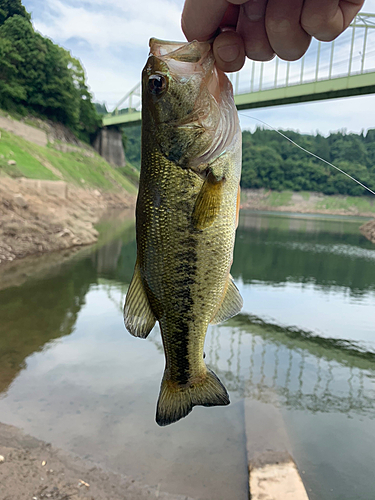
[(328, 70)]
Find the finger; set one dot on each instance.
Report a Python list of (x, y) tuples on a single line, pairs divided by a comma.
[(201, 18), (285, 34), (326, 19), (253, 31), (229, 51), (230, 17)]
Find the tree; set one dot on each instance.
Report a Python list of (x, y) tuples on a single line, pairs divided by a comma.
[(89, 119), (9, 8), (270, 161), (39, 76), (11, 90), (101, 109)]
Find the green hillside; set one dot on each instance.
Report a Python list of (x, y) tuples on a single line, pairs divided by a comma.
[(82, 166)]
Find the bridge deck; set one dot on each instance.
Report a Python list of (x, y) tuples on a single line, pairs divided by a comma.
[(342, 68)]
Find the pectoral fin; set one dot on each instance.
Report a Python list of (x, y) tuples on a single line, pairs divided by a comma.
[(231, 305), (138, 316), (208, 203)]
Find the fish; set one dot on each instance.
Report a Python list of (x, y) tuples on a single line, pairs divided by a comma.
[(186, 219)]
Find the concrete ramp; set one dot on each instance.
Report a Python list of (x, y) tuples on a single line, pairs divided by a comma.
[(273, 475)]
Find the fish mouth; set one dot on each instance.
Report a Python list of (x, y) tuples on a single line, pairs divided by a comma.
[(192, 52), (182, 60)]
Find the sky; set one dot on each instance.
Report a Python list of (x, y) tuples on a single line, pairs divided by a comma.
[(110, 37)]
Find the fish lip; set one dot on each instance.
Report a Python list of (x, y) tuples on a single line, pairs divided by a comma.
[(156, 48)]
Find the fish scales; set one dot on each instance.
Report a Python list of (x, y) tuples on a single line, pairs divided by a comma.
[(186, 218)]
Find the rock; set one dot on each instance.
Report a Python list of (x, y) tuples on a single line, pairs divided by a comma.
[(368, 230), (20, 200), (65, 232), (2, 459), (97, 192), (12, 162)]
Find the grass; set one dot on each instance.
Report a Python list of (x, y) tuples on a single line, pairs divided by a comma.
[(80, 167), (19, 150), (351, 203), (279, 199)]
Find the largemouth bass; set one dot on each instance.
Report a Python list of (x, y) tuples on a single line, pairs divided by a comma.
[(186, 218)]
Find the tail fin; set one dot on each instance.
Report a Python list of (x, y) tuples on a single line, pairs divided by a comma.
[(175, 403)]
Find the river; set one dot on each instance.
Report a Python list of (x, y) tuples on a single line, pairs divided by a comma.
[(70, 374)]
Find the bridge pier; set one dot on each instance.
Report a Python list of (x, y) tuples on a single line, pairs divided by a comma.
[(108, 143)]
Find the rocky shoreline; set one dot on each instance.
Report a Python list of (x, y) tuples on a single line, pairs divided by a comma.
[(37, 217), (368, 230), (33, 469)]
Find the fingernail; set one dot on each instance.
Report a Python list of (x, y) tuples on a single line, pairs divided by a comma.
[(228, 53), (279, 25), (254, 11)]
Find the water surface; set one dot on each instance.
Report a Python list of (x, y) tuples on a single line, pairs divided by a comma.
[(70, 373)]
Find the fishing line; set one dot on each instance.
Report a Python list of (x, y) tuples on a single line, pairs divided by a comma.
[(308, 152)]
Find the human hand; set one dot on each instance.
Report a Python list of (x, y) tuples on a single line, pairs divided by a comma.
[(261, 29)]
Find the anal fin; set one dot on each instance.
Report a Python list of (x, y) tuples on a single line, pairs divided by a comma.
[(138, 316), (231, 305)]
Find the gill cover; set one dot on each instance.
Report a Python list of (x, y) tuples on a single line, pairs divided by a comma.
[(188, 104)]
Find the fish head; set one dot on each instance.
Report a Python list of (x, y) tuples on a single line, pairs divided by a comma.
[(187, 103)]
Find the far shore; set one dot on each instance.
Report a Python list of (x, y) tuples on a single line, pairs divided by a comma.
[(312, 203)]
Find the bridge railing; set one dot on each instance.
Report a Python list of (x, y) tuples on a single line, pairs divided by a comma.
[(340, 68), (350, 54)]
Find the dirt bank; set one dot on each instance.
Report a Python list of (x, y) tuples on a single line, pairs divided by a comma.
[(44, 216), (34, 470), (368, 230)]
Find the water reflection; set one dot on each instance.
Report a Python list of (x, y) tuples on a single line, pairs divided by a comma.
[(46, 306), (37, 312), (307, 372), (70, 373), (258, 360), (327, 253)]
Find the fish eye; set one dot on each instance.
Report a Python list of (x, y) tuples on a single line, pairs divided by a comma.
[(157, 84)]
